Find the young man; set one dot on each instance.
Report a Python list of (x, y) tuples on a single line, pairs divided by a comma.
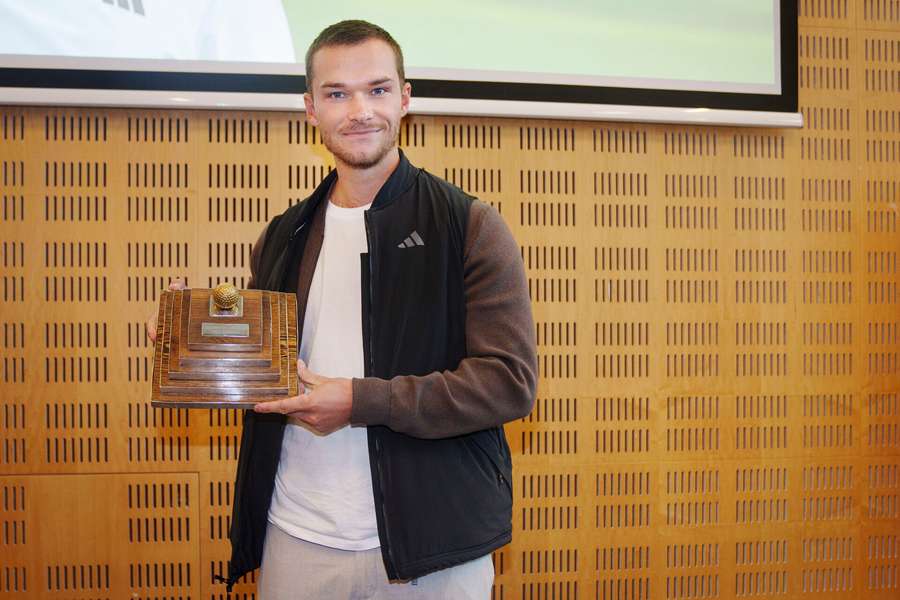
[(390, 476)]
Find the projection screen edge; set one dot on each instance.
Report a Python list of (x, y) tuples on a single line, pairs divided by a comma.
[(422, 106)]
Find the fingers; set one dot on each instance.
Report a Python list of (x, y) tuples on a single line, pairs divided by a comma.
[(283, 406), (151, 328), (303, 386), (307, 377)]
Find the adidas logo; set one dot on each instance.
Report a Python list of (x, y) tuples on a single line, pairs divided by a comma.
[(413, 239)]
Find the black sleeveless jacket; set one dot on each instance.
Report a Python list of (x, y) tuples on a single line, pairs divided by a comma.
[(439, 502)]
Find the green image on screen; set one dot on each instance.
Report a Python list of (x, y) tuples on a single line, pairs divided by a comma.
[(717, 41)]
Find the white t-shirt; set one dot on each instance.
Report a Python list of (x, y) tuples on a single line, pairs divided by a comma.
[(323, 488)]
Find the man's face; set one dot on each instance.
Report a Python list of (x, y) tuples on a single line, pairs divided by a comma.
[(357, 102)]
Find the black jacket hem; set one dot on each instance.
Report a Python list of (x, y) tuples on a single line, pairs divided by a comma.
[(445, 560)]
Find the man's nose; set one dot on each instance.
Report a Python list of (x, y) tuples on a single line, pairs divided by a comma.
[(359, 108)]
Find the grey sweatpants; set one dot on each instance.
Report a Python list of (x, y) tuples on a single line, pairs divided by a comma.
[(293, 569)]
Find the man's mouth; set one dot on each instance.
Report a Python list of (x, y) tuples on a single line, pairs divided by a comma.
[(360, 132)]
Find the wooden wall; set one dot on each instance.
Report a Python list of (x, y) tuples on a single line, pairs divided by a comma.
[(717, 315)]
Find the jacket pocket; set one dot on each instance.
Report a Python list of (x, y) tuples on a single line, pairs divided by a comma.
[(489, 443), (441, 496)]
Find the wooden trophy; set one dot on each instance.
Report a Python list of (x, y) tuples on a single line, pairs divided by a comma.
[(224, 348)]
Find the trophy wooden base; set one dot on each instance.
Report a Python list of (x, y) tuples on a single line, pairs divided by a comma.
[(208, 357)]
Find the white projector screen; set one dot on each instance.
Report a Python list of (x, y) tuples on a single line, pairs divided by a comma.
[(728, 61)]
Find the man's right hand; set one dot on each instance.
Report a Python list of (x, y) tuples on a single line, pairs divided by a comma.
[(178, 284)]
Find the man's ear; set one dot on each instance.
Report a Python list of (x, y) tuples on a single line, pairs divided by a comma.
[(310, 109), (405, 95)]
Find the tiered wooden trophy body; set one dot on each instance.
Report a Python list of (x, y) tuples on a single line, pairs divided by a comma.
[(224, 348)]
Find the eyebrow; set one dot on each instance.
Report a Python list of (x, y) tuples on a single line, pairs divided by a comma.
[(338, 84)]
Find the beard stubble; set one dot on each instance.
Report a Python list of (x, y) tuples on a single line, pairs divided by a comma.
[(360, 160)]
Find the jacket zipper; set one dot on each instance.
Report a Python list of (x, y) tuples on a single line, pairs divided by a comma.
[(296, 231), (389, 567)]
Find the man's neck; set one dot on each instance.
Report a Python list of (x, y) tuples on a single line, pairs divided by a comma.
[(358, 187)]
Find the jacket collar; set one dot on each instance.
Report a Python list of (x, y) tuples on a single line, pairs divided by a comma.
[(400, 180)]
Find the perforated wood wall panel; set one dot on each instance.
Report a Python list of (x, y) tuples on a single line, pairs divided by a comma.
[(717, 313)]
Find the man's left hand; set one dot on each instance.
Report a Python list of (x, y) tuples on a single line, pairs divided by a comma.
[(324, 406)]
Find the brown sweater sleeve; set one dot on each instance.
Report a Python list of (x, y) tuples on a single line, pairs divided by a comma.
[(497, 381)]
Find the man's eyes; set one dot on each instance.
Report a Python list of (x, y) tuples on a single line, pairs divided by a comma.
[(339, 95)]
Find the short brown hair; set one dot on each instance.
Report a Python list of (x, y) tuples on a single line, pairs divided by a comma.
[(350, 33)]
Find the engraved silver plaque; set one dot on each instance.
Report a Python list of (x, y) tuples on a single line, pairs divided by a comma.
[(239, 330)]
